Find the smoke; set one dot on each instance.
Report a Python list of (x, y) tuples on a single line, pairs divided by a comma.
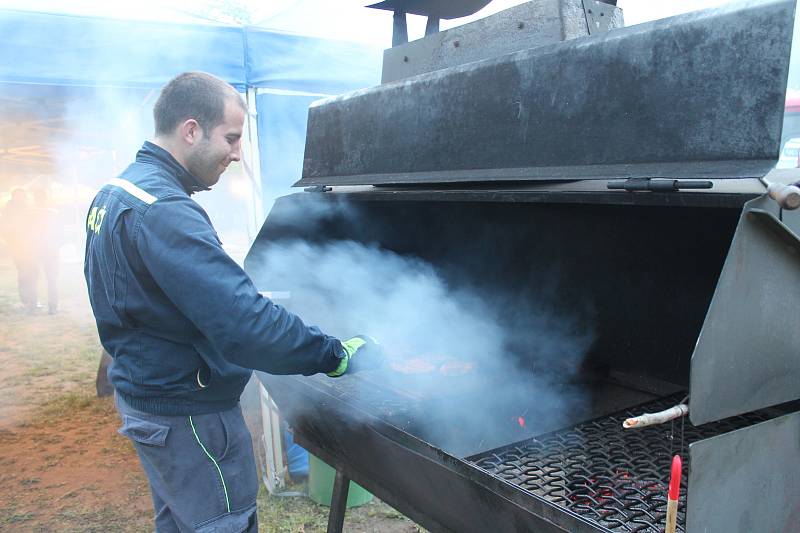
[(349, 288), (90, 136), (476, 367)]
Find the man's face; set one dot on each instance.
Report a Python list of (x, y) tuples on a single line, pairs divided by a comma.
[(209, 158)]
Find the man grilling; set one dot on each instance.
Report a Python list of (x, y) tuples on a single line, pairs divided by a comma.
[(183, 322)]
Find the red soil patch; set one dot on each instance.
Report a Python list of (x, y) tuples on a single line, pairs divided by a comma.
[(61, 475)]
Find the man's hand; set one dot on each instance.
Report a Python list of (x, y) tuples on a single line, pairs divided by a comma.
[(360, 353)]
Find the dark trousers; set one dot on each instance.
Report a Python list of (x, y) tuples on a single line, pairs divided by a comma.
[(201, 469)]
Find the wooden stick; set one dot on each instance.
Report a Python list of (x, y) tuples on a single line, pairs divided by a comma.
[(649, 419), (672, 516), (674, 494)]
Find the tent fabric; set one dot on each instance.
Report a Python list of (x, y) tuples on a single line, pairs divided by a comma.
[(55, 49), (294, 62), (68, 50), (282, 138)]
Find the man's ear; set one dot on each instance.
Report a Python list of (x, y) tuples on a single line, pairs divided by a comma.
[(190, 131)]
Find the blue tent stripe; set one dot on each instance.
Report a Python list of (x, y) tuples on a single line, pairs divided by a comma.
[(300, 63), (54, 49), (57, 49)]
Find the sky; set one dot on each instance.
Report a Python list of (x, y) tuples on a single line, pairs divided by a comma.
[(342, 19)]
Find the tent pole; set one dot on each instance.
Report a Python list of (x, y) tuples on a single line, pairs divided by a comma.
[(253, 164)]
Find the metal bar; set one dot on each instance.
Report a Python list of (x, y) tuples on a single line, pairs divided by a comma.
[(544, 196), (341, 486), (400, 31), (432, 26), (732, 169)]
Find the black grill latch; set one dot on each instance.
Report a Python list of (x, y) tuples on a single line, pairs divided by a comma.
[(658, 184)]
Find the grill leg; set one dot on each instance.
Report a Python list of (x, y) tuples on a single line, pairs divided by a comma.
[(338, 503)]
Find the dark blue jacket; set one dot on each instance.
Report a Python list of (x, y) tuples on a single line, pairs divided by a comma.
[(181, 319)]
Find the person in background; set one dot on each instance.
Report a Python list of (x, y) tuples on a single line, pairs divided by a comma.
[(19, 232), (183, 323), (49, 233)]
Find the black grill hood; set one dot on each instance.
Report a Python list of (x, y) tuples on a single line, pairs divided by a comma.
[(695, 96)]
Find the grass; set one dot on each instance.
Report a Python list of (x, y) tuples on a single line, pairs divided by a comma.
[(103, 520), (299, 514), (290, 514), (15, 518), (71, 403)]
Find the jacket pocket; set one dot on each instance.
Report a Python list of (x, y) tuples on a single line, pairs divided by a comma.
[(143, 431), (168, 368)]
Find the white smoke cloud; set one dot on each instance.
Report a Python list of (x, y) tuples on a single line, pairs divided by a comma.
[(349, 288), (489, 368)]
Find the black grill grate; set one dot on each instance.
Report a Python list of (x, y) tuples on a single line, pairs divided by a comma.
[(616, 478)]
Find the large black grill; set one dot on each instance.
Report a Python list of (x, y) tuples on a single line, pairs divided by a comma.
[(616, 478), (493, 176)]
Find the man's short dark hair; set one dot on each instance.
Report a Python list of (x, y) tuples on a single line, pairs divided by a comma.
[(192, 95)]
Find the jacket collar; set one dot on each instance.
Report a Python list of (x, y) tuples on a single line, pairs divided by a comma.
[(154, 154)]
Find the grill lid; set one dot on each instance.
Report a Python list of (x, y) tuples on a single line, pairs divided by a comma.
[(695, 96)]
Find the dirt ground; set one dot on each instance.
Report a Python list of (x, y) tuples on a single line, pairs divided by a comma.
[(63, 467)]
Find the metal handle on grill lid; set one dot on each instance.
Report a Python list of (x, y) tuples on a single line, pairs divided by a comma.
[(658, 184)]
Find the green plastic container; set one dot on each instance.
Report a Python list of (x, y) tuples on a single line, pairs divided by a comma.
[(320, 485)]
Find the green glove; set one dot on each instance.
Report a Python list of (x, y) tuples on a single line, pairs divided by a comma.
[(368, 351)]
